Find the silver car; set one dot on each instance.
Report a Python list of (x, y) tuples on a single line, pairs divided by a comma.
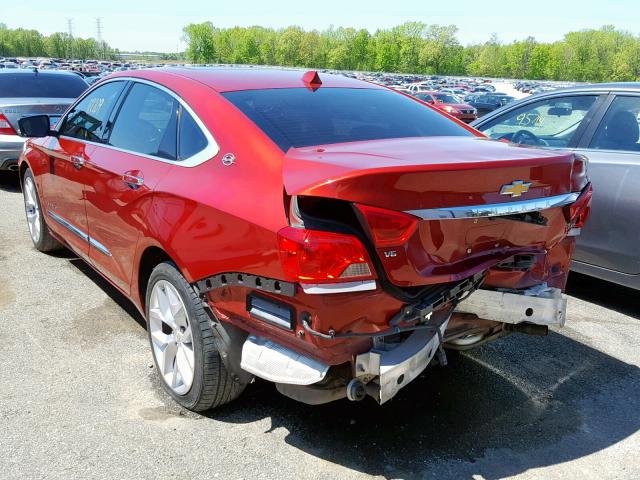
[(25, 92), (602, 121)]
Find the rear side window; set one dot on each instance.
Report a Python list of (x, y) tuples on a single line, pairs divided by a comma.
[(41, 85), (147, 123), (620, 127), (192, 140), (300, 117), (88, 119)]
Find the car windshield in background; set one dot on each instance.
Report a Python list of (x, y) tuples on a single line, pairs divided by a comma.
[(41, 85), (299, 117), (446, 98)]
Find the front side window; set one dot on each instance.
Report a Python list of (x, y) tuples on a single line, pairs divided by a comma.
[(620, 127), (147, 123), (550, 122), (300, 117), (88, 119)]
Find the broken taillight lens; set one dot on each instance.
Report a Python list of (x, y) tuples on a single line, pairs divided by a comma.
[(5, 126), (388, 228), (577, 213), (314, 256), (579, 177)]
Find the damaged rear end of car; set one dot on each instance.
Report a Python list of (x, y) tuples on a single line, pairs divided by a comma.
[(398, 246)]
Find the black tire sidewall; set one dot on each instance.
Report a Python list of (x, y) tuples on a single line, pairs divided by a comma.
[(168, 272)]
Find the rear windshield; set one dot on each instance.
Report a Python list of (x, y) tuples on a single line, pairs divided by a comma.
[(41, 85), (446, 98), (300, 117)]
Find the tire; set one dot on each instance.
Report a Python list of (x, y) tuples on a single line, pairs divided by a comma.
[(38, 230), (211, 384)]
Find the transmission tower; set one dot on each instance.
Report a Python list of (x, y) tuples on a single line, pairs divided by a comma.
[(99, 35), (70, 30), (99, 29)]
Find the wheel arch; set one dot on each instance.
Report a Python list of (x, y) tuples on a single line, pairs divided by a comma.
[(150, 258)]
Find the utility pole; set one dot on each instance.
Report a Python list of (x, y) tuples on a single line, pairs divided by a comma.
[(70, 30)]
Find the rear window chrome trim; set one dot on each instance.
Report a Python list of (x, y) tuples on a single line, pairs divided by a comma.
[(210, 151), (496, 209)]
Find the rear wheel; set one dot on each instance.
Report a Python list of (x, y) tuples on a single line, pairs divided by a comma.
[(183, 343), (40, 235)]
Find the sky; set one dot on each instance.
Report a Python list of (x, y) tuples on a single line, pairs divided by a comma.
[(157, 25)]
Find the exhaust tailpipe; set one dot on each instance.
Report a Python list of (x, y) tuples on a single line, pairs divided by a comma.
[(13, 167)]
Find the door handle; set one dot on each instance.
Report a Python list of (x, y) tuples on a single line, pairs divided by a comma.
[(78, 162), (132, 180)]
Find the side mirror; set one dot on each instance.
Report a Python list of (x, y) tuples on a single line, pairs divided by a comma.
[(35, 126)]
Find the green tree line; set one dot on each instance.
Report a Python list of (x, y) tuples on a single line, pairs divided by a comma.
[(604, 54), (31, 43)]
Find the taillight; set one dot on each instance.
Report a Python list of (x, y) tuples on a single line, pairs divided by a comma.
[(579, 177), (388, 227), (5, 126), (577, 213), (314, 256)]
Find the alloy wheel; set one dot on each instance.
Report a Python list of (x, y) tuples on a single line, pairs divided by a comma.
[(32, 209), (171, 337)]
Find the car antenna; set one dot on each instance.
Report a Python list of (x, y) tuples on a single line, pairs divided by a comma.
[(312, 80)]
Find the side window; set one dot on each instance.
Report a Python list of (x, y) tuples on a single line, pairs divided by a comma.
[(191, 138), (620, 127), (147, 123), (550, 122), (88, 119)]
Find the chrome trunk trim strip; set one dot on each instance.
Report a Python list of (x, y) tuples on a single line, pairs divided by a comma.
[(496, 209)]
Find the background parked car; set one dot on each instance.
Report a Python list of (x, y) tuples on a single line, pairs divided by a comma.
[(602, 122), (490, 102), (25, 92), (451, 104)]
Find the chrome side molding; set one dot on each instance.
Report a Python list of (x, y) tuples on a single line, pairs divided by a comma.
[(83, 235), (496, 209)]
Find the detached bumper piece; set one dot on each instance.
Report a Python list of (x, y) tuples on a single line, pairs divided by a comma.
[(540, 305), (385, 369)]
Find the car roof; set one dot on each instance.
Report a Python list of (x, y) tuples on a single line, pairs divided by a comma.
[(227, 79), (593, 87), (31, 71)]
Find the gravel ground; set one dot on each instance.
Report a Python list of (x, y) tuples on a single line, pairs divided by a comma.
[(80, 400)]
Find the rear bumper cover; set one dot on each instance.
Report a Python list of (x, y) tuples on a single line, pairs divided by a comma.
[(10, 150)]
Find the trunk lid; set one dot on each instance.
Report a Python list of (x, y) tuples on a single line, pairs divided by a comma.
[(16, 108), (417, 174)]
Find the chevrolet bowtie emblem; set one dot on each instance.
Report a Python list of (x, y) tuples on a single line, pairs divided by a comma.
[(515, 188)]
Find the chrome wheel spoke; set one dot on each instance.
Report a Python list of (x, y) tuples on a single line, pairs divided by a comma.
[(185, 369)]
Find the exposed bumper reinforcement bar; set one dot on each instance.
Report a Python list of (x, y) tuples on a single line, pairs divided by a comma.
[(539, 305)]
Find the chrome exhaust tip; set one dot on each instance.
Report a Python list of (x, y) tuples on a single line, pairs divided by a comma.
[(13, 167)]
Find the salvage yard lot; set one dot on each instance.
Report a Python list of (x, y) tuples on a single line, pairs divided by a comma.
[(79, 398)]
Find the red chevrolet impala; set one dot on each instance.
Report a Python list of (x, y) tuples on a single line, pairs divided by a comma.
[(326, 234)]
